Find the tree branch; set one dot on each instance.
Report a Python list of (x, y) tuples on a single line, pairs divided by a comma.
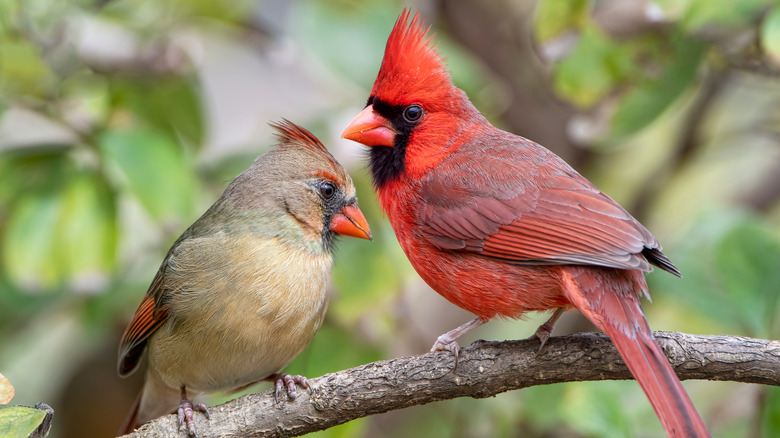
[(483, 370)]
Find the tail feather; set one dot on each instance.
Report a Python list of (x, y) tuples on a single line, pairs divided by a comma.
[(154, 400), (131, 420), (609, 299), (650, 367)]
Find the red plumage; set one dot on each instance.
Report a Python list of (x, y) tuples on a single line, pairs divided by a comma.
[(499, 225)]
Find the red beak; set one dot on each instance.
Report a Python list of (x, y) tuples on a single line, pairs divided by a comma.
[(370, 128), (350, 222)]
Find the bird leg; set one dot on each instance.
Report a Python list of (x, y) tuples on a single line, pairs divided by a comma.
[(187, 413), (544, 330), (282, 380), (448, 341)]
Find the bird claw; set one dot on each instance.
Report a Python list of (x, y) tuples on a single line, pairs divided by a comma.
[(187, 415), (284, 380), (448, 341), (544, 330), (445, 343), (543, 334)]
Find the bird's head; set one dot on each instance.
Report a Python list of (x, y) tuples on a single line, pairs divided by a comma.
[(414, 111), (300, 180)]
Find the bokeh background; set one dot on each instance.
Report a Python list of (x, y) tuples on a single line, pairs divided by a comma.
[(122, 121)]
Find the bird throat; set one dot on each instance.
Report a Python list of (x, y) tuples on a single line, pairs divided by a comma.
[(386, 163)]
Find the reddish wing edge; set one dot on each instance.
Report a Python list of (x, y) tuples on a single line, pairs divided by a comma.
[(146, 321)]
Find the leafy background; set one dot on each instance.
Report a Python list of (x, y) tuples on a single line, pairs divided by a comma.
[(121, 121)]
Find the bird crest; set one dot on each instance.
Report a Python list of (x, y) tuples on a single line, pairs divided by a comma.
[(288, 133), (411, 65)]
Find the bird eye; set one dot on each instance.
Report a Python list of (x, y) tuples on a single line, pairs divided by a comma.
[(412, 113), (327, 190)]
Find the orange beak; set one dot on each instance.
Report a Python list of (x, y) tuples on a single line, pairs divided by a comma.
[(370, 128), (350, 222)]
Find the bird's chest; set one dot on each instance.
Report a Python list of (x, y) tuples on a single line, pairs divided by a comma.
[(484, 286), (243, 320)]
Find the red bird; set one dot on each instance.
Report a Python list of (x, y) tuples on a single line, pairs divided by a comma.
[(501, 226)]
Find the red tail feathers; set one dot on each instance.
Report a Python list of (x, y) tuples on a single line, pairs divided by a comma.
[(610, 299)]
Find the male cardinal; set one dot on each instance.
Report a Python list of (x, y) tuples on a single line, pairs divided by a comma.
[(500, 226), (243, 290)]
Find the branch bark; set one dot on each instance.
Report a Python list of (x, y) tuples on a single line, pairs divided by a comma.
[(484, 369)]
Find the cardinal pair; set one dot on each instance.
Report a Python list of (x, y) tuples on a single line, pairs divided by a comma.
[(495, 223)]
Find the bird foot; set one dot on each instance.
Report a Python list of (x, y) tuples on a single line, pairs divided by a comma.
[(284, 380), (446, 343), (443, 343), (543, 334), (544, 330), (187, 415)]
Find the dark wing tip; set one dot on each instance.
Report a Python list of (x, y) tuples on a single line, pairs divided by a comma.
[(657, 258), (130, 359)]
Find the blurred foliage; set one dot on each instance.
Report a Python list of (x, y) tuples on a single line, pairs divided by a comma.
[(121, 121)]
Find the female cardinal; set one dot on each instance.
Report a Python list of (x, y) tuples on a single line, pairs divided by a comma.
[(243, 290), (500, 226)]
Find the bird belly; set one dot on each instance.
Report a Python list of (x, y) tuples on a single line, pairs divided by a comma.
[(487, 287), (251, 323)]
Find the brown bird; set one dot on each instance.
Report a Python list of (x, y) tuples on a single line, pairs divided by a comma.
[(243, 290)]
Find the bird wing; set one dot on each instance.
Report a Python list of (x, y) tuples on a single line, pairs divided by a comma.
[(149, 316), (518, 202)]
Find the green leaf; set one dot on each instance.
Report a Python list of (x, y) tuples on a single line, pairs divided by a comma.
[(770, 36), (19, 421), (653, 94), (170, 105), (150, 16), (155, 171), (729, 264), (231, 11), (29, 237), (721, 15), (590, 72), (62, 230), (8, 14), (746, 260), (22, 70), (554, 18), (326, 28), (87, 234)]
